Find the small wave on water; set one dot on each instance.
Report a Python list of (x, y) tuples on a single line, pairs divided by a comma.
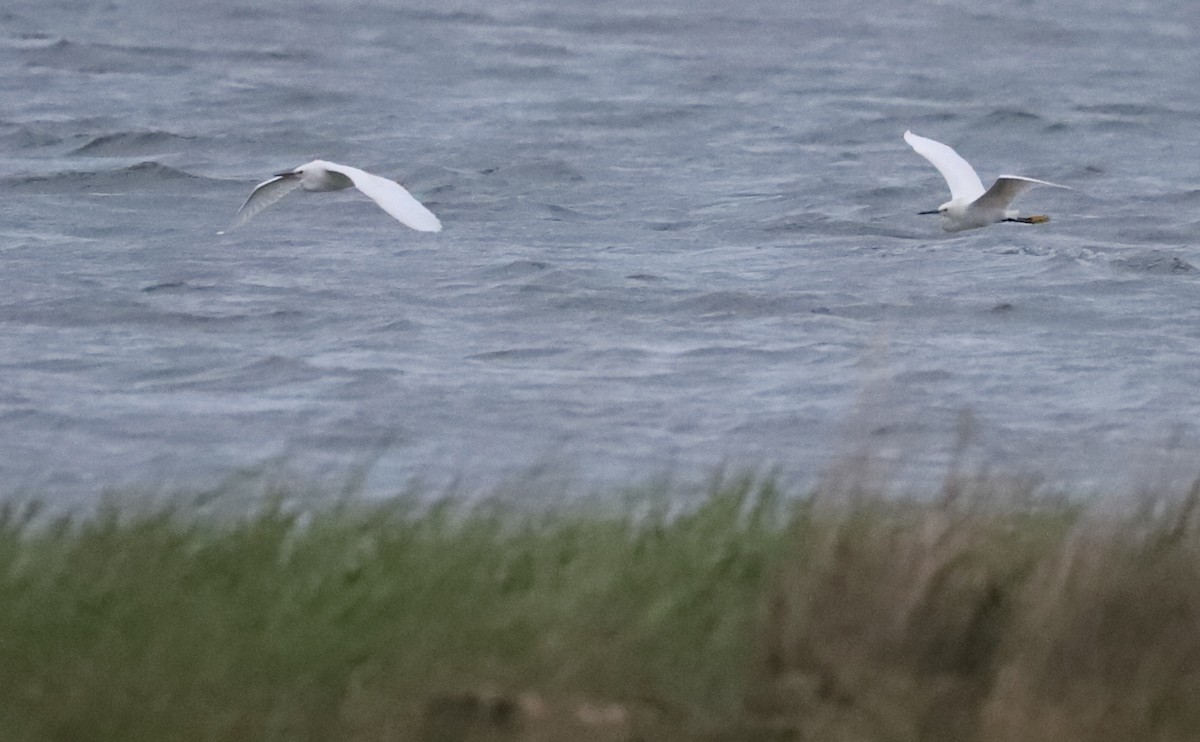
[(259, 374), (50, 135), (142, 175), (131, 144), (516, 354), (717, 305), (1155, 262), (99, 58), (30, 41), (1010, 118)]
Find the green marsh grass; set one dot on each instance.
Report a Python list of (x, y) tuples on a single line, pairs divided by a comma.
[(986, 612), (342, 623)]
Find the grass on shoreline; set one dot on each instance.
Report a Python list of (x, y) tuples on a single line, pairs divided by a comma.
[(983, 614)]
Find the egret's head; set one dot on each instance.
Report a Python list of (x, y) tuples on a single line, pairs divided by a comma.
[(953, 207), (943, 209)]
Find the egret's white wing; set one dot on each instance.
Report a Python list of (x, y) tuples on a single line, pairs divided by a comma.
[(1006, 188), (265, 194), (391, 197), (960, 176)]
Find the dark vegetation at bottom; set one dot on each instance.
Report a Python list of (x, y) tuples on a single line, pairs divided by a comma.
[(988, 612)]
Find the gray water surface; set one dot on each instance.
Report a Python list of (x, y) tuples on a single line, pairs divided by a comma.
[(678, 235)]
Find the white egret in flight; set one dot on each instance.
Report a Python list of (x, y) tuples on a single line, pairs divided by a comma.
[(970, 206), (320, 175)]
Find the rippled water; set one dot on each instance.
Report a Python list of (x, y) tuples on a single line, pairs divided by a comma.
[(677, 234)]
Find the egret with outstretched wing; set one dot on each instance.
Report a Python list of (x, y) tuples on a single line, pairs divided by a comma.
[(320, 175), (970, 206)]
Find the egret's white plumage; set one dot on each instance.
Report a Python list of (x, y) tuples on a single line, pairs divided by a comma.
[(320, 175), (970, 206)]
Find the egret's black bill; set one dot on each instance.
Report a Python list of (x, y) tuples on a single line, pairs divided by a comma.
[(935, 211)]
